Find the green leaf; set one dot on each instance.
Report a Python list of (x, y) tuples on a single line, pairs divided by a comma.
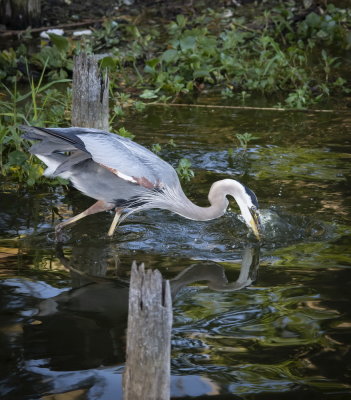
[(139, 105), (184, 163), (60, 42), (181, 20), (322, 34), (125, 133), (16, 157), (13, 115), (149, 70), (149, 94), (201, 73), (150, 65), (187, 43), (156, 148), (169, 56), (42, 88), (184, 170), (153, 62), (313, 20), (108, 62)]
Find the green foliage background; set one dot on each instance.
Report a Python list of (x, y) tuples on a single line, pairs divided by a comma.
[(281, 50)]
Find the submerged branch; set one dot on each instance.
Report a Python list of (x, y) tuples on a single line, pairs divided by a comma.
[(245, 107)]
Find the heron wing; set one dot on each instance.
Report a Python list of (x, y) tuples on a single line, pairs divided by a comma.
[(128, 160), (123, 157)]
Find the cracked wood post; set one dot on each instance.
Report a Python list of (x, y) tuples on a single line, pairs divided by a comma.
[(147, 372), (90, 93)]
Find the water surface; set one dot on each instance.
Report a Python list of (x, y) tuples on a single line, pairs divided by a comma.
[(286, 335)]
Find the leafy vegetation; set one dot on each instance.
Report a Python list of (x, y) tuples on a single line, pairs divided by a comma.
[(244, 139), (290, 52), (31, 107), (184, 171)]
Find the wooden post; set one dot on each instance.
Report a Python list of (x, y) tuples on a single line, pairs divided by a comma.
[(20, 14), (90, 93), (147, 373)]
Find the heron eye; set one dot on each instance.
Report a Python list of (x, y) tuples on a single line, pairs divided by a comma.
[(252, 196)]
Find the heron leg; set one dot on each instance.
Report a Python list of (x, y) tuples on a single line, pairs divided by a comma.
[(99, 206), (112, 229)]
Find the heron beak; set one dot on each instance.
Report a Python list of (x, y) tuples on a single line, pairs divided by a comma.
[(255, 223)]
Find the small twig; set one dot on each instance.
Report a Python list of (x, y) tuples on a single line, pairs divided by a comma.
[(244, 107), (246, 28)]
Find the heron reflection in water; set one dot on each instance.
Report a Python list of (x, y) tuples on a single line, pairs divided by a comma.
[(121, 174), (85, 326), (109, 297)]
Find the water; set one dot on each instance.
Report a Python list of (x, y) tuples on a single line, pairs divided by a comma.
[(282, 332)]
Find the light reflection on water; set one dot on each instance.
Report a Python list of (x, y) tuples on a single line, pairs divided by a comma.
[(285, 336)]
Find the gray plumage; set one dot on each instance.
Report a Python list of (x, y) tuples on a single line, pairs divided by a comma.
[(121, 174)]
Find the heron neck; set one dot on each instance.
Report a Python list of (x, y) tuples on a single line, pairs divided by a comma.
[(217, 198), (192, 211)]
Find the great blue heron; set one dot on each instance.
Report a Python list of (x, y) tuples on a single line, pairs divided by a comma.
[(121, 174)]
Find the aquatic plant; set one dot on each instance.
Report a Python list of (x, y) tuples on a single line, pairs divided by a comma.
[(184, 171)]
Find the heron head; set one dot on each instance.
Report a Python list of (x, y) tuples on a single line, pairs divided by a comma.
[(248, 205), (246, 199), (254, 222)]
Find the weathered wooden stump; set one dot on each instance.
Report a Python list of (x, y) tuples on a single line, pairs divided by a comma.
[(20, 14), (90, 93), (147, 373)]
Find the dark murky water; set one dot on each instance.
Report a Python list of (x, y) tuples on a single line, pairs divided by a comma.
[(285, 336)]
